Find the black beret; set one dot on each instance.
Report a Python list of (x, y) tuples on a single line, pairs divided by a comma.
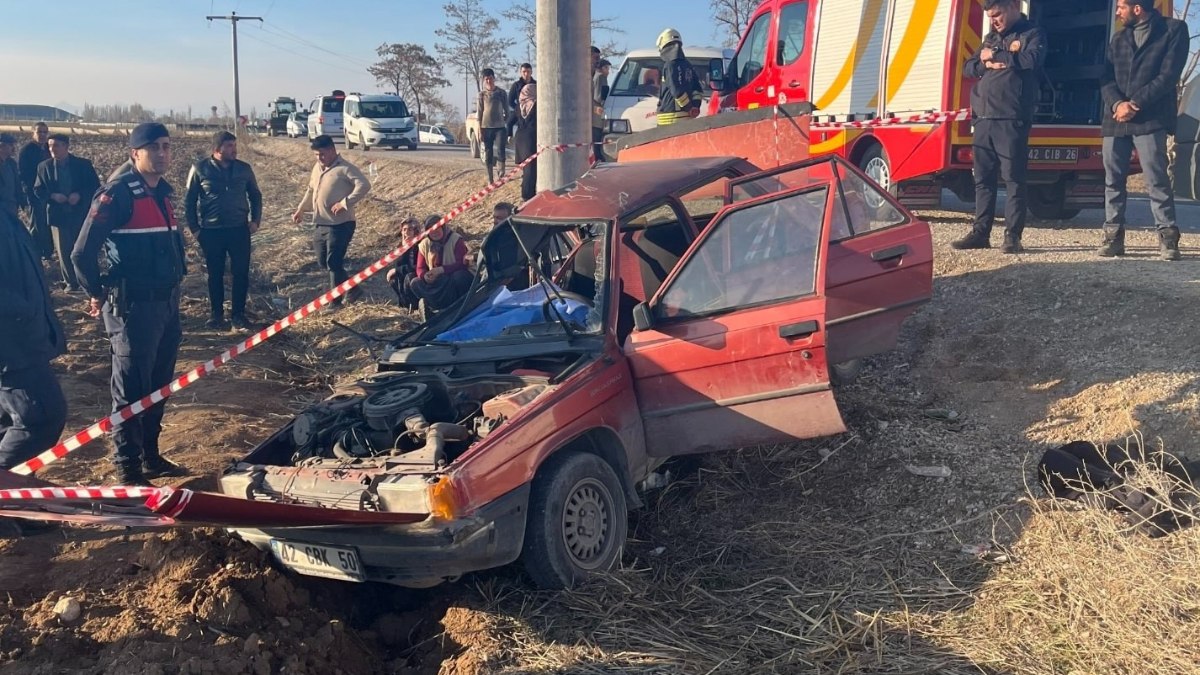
[(146, 133)]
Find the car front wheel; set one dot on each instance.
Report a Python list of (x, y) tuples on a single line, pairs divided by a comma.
[(577, 520)]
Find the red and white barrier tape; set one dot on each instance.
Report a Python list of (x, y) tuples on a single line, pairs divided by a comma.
[(122, 415), (72, 493), (922, 118)]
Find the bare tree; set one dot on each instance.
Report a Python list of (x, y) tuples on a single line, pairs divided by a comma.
[(472, 40), (410, 71), (524, 15), (1188, 13), (732, 17)]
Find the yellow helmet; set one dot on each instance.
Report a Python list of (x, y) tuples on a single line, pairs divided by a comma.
[(667, 37)]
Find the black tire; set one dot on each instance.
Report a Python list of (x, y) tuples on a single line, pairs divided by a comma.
[(577, 520), (346, 140), (846, 371), (363, 142), (1048, 202)]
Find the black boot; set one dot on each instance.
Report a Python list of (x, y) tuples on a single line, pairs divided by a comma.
[(1012, 244), (1168, 243), (975, 239), (491, 175), (1114, 242), (132, 475), (159, 467)]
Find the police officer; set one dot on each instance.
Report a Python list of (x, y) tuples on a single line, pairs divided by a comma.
[(1008, 66), (132, 220), (680, 94)]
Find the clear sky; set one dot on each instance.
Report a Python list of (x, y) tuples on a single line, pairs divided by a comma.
[(164, 55)]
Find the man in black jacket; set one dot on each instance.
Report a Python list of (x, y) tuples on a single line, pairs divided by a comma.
[(1008, 66), (1141, 73), (64, 187), (33, 410), (514, 95), (33, 153), (223, 207)]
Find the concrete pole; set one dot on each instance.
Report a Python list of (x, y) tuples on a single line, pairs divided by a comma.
[(564, 75), (233, 20)]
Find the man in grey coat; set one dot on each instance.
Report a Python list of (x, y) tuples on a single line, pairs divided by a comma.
[(1144, 63)]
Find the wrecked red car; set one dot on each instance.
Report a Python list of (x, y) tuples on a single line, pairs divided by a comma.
[(648, 310)]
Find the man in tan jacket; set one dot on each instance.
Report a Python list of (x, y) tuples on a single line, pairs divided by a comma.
[(334, 187)]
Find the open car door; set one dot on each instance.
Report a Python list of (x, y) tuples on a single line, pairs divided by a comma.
[(880, 256), (731, 350)]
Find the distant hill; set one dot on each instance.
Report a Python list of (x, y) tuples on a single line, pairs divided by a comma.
[(25, 111)]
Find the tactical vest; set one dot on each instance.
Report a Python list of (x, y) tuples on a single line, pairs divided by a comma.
[(147, 251)]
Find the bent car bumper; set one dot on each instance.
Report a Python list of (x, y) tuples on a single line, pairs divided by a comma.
[(422, 554)]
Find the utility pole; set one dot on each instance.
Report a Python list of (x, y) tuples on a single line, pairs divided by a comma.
[(233, 20), (564, 34)]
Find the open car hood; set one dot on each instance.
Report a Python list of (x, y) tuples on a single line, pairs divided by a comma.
[(174, 507)]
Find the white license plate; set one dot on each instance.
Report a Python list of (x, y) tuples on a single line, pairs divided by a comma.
[(1054, 155), (331, 562)]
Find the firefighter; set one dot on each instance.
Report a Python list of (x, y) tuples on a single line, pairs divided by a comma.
[(680, 94), (132, 220)]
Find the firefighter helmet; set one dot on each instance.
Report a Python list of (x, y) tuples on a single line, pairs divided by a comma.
[(667, 37)]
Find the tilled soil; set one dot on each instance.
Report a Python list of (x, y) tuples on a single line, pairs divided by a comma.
[(793, 558)]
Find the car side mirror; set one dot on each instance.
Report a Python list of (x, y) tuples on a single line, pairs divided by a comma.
[(716, 74), (643, 319)]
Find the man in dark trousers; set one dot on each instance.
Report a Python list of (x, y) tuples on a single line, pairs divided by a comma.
[(65, 185), (33, 410), (33, 153), (1008, 66), (223, 207), (133, 222), (680, 94), (1141, 73)]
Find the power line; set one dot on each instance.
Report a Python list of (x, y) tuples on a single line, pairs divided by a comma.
[(269, 8), (303, 55), (289, 35), (233, 20)]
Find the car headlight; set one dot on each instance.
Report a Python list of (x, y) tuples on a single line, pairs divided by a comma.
[(619, 127)]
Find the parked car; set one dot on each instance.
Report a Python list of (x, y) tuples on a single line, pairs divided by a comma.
[(325, 116), (436, 134), (379, 120), (632, 103), (297, 124), (681, 307)]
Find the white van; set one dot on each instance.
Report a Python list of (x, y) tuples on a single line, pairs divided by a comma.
[(325, 115), (632, 103), (379, 119)]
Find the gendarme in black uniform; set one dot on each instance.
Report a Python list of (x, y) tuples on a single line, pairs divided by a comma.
[(1002, 104), (135, 227)]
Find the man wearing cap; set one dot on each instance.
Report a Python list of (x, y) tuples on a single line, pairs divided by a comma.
[(680, 93), (33, 153), (132, 220), (223, 207), (334, 187), (12, 196)]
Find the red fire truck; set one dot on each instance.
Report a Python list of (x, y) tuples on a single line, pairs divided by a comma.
[(866, 59)]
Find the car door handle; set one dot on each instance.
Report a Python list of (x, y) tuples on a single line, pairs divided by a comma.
[(801, 329), (891, 253), (759, 90), (794, 83)]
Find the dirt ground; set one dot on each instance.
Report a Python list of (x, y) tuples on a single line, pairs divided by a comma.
[(826, 556)]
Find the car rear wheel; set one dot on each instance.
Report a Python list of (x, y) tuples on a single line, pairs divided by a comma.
[(577, 520)]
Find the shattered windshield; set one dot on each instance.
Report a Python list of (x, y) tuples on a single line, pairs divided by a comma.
[(563, 292)]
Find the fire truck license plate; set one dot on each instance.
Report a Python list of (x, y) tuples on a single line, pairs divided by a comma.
[(332, 562), (1054, 155)]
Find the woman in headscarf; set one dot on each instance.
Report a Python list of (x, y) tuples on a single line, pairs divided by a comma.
[(525, 141)]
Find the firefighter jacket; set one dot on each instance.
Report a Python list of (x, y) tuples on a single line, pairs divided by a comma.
[(135, 226), (680, 94)]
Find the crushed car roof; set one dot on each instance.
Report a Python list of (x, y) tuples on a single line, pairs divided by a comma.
[(609, 190)]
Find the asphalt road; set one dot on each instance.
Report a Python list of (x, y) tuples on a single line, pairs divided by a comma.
[(456, 156), (1137, 214)]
